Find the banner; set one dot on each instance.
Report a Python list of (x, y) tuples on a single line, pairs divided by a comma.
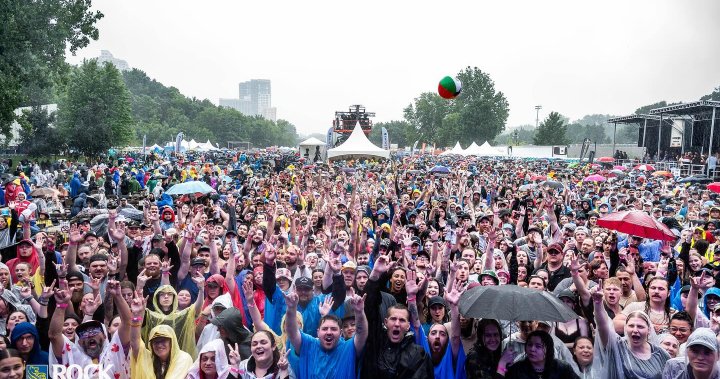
[(414, 148), (676, 136), (385, 139), (144, 145), (329, 138), (178, 142)]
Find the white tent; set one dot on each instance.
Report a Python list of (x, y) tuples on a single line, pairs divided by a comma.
[(207, 146), (456, 150), (357, 145), (312, 147), (484, 150)]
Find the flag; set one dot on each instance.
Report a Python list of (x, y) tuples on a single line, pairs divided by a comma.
[(385, 139), (414, 147), (178, 142), (329, 138)]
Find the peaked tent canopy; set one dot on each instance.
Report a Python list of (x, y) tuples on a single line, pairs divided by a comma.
[(356, 146), (456, 150), (312, 148), (484, 150)]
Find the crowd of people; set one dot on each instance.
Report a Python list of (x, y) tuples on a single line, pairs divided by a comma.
[(353, 269)]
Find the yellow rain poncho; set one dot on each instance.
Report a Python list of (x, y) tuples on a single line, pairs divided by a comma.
[(141, 366), (182, 322)]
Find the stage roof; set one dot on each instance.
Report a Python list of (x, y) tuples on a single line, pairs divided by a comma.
[(701, 109), (634, 119)]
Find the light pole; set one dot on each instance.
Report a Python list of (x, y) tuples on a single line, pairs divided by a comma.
[(515, 135), (537, 115)]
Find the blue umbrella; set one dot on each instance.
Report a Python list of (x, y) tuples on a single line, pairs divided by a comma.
[(189, 187), (440, 170)]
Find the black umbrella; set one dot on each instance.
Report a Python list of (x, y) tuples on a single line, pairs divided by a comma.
[(132, 214), (514, 303), (552, 184), (702, 179)]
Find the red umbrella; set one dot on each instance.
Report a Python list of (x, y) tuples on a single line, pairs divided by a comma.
[(715, 187), (644, 167), (537, 177), (623, 168), (594, 178), (636, 223), (606, 159)]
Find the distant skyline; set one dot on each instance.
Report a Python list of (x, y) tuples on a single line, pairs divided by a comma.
[(576, 58)]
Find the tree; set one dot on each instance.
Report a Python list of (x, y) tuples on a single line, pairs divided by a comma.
[(482, 110), (37, 135), (525, 136), (577, 133), (479, 113), (33, 39), (400, 133), (95, 113), (552, 131), (715, 95)]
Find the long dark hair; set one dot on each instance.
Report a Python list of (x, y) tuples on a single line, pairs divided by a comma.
[(276, 353), (157, 365), (547, 341), (481, 349)]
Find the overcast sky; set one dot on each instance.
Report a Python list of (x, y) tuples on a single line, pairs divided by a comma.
[(574, 57)]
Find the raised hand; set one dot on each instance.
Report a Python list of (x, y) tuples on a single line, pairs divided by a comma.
[(234, 355), (291, 299), (112, 263), (411, 285), (75, 234), (138, 305), (48, 291), (454, 266), (382, 264), (26, 292), (453, 296), (597, 293), (95, 284), (358, 303), (282, 363), (89, 306), (165, 265), (326, 306), (62, 269), (62, 296), (142, 279), (248, 290), (199, 281), (113, 288), (698, 282), (574, 264), (335, 264)]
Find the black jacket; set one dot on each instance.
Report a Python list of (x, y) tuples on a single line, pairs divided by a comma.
[(557, 370), (383, 359)]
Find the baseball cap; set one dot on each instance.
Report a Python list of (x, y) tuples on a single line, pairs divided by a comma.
[(436, 300), (87, 325), (197, 262), (569, 226), (491, 274), (703, 337), (416, 240), (349, 265), (303, 282), (283, 273)]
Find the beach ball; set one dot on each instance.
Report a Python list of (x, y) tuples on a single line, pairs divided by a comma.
[(449, 87)]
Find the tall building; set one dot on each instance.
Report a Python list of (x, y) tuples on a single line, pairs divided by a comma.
[(106, 56), (255, 99)]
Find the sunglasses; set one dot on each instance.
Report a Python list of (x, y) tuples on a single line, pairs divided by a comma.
[(89, 332)]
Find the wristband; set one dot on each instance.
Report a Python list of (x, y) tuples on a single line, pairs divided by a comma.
[(136, 324), (62, 306), (42, 301), (136, 319), (166, 272), (234, 370), (409, 299)]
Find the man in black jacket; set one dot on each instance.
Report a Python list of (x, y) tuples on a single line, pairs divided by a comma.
[(390, 352)]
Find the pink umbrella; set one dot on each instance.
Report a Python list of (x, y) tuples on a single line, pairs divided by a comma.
[(644, 167), (622, 168), (595, 178), (606, 159)]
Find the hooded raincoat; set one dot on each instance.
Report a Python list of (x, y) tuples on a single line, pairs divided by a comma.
[(142, 365), (221, 360), (182, 322), (37, 356)]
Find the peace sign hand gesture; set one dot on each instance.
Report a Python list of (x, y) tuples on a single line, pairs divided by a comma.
[(234, 355)]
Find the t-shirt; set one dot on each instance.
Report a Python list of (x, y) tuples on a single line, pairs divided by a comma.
[(316, 363), (660, 321), (188, 284), (113, 354), (444, 369)]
